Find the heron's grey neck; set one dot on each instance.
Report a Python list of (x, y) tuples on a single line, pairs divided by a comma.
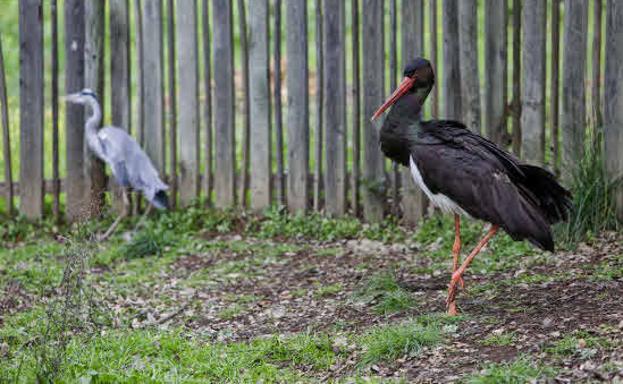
[(95, 119)]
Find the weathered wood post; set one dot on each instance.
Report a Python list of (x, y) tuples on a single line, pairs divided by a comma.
[(468, 51), (224, 180), (94, 79), (533, 89), (298, 109), (172, 106), (596, 64), (356, 110), (246, 117), (452, 70), (554, 84), (281, 182), (613, 97), (259, 108), (434, 56), (153, 86), (6, 138), (318, 134), (56, 182), (207, 85), (31, 107), (188, 106), (333, 108), (573, 115), (75, 182), (373, 94), (413, 201), (495, 70), (516, 102), (120, 79)]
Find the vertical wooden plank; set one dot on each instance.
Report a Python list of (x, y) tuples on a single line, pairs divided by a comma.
[(6, 137), (451, 71), (298, 112), (224, 181), (281, 183), (495, 69), (534, 13), (468, 51), (554, 84), (393, 73), (373, 87), (246, 118), (120, 78), (333, 108), (153, 92), (207, 79), (516, 103), (56, 183), (596, 64), (259, 108), (413, 201), (356, 109), (172, 104), (140, 79), (573, 122), (75, 182), (433, 14), (319, 114), (613, 97), (188, 101), (94, 79), (31, 107)]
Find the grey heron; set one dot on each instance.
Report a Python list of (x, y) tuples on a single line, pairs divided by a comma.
[(130, 165)]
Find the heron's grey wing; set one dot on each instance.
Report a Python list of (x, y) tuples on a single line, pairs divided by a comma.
[(120, 173)]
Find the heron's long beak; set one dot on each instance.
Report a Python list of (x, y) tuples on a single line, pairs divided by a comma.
[(72, 97), (402, 88)]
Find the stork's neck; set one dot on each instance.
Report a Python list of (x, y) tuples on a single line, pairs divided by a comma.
[(95, 119)]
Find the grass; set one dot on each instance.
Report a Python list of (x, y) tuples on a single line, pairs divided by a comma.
[(519, 371), (576, 343), (386, 343), (501, 339), (384, 291)]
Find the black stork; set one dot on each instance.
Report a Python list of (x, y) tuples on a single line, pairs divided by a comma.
[(463, 173)]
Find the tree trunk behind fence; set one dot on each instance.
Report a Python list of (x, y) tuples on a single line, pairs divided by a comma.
[(533, 88), (153, 86), (298, 108), (373, 94), (414, 201), (495, 70), (468, 51), (333, 108), (75, 182), (31, 107), (613, 97), (246, 118), (259, 90), (451, 70), (224, 181), (188, 107), (573, 95), (120, 81), (6, 139)]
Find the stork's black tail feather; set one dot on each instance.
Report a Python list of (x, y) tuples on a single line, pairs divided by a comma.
[(541, 187), (161, 200)]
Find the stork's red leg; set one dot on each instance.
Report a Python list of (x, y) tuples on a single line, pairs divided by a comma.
[(458, 274), (456, 251)]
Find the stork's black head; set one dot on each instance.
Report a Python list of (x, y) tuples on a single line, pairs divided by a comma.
[(418, 77)]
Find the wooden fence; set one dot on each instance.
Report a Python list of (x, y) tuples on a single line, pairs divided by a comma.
[(200, 83)]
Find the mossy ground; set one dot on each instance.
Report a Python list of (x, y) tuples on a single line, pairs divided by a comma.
[(207, 296)]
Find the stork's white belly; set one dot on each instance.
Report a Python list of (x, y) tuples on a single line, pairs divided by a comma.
[(441, 201)]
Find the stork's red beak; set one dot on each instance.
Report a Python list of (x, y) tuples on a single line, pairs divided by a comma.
[(404, 87)]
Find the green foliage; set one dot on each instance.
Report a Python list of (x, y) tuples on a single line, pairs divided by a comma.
[(519, 371), (386, 343), (502, 339), (576, 343), (593, 197), (383, 289)]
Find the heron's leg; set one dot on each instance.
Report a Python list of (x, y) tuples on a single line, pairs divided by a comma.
[(124, 213), (141, 221), (456, 251), (458, 274)]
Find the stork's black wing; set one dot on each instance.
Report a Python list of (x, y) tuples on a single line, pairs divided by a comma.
[(488, 182)]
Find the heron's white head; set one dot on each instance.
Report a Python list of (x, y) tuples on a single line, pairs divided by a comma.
[(83, 97)]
